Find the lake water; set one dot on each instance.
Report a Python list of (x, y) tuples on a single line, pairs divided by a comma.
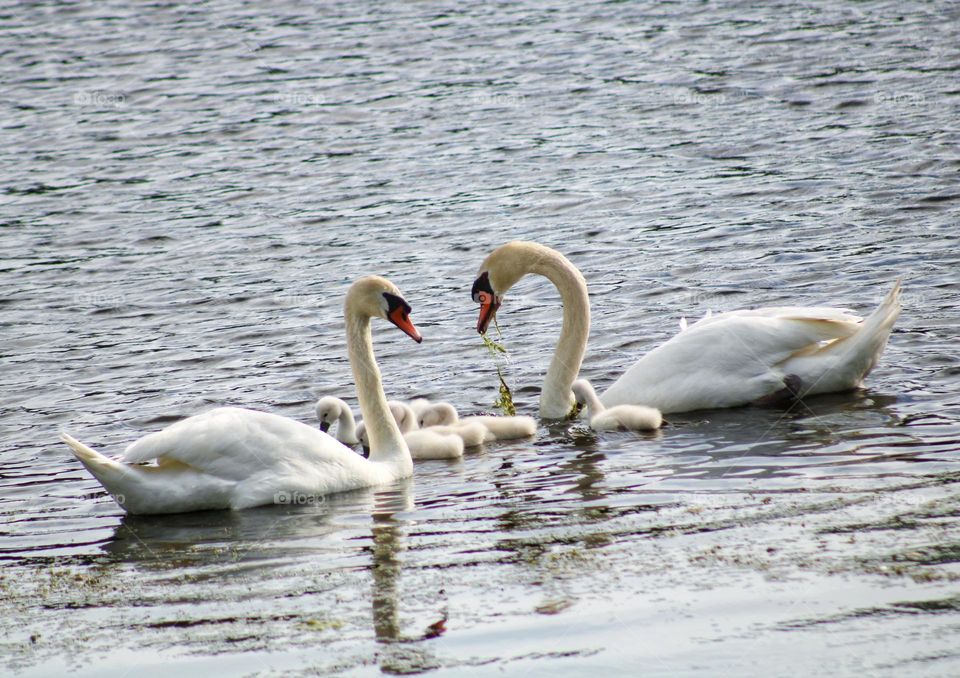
[(187, 191)]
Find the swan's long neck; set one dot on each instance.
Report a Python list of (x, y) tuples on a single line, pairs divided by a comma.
[(346, 424), (594, 406), (556, 398), (444, 414), (403, 415), (386, 442)]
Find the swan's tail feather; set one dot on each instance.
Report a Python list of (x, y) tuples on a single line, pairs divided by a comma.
[(868, 343), (853, 357), (113, 475), (87, 455)]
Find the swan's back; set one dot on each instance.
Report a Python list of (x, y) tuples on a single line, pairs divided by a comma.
[(235, 443), (506, 427), (827, 313), (734, 358), (471, 433)]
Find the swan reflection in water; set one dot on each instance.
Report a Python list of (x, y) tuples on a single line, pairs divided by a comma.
[(402, 651), (216, 538), (256, 548)]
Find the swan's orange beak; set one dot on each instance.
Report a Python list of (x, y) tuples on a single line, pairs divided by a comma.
[(401, 319), (398, 312), (488, 309)]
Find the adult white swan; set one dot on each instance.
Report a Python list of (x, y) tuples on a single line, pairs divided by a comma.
[(725, 360), (237, 458)]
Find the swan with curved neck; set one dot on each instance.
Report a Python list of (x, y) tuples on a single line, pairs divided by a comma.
[(618, 417), (500, 271), (335, 411), (330, 411), (724, 360), (236, 458)]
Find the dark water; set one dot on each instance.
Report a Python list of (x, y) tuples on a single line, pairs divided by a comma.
[(188, 189)]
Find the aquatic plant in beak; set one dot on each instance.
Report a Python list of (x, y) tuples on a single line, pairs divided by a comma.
[(504, 401), (488, 290), (483, 294)]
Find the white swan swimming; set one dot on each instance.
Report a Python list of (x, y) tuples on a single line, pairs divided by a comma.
[(237, 458), (724, 360), (330, 411), (618, 417), (499, 428), (425, 444)]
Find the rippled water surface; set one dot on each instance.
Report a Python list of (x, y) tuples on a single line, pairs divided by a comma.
[(187, 190)]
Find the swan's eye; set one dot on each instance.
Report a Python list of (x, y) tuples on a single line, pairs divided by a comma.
[(482, 292), (394, 302), (489, 302)]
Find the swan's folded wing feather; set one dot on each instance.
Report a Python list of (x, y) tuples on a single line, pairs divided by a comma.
[(232, 442), (768, 338), (827, 313), (730, 360)]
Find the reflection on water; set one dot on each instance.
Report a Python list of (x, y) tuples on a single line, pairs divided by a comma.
[(585, 525), (569, 527), (387, 543), (244, 537)]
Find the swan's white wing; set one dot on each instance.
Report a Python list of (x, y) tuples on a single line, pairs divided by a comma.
[(235, 443), (842, 315), (726, 360)]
